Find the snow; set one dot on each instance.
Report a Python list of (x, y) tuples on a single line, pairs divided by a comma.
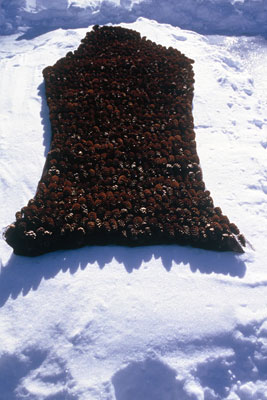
[(157, 322), (205, 16)]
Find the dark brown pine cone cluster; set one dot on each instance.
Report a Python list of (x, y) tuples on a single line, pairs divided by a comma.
[(123, 167)]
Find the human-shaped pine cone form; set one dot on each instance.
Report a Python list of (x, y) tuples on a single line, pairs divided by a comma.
[(123, 167)]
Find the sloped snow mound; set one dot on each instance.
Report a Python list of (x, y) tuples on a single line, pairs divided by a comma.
[(208, 16)]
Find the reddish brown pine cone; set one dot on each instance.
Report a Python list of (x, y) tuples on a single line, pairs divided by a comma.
[(123, 167)]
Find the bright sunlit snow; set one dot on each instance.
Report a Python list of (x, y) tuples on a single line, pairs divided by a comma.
[(150, 323)]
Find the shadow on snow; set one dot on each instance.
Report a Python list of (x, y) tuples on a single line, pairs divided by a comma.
[(148, 379), (45, 119), (189, 15), (22, 274)]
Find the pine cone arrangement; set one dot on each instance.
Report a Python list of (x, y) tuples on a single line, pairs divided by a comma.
[(123, 167)]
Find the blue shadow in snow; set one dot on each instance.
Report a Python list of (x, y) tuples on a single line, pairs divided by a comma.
[(150, 379), (13, 369), (246, 362), (108, 13), (45, 119), (189, 15), (22, 274)]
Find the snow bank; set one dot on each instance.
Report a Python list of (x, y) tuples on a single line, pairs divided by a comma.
[(204, 16)]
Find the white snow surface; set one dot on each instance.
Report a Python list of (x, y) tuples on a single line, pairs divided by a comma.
[(148, 323)]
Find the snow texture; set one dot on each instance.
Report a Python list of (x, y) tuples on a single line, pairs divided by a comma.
[(157, 322), (232, 17)]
